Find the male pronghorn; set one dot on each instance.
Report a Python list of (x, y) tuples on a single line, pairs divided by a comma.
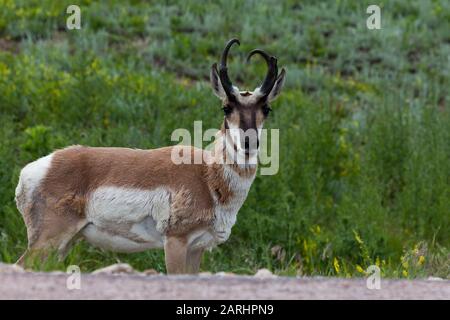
[(130, 200)]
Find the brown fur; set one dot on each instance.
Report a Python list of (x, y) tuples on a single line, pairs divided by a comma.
[(77, 171), (216, 182)]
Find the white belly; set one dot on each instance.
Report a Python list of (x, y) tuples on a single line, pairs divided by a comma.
[(127, 220), (140, 236), (132, 220)]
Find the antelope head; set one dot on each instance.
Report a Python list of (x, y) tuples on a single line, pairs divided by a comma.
[(245, 111)]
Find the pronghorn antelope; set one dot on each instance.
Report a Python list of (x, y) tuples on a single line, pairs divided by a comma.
[(130, 200)]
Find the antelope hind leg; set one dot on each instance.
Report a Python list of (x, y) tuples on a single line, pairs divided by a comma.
[(57, 233)]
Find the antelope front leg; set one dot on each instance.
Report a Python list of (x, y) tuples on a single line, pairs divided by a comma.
[(175, 250), (193, 260)]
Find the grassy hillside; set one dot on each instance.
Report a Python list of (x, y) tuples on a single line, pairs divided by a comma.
[(364, 120)]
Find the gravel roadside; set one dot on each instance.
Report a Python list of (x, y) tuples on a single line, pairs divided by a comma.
[(30, 285)]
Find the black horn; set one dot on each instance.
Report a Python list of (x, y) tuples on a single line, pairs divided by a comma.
[(223, 70), (272, 71)]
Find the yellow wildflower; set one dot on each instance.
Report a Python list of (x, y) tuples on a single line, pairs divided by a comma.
[(377, 262), (421, 260), (4, 71), (95, 65), (357, 237), (336, 265)]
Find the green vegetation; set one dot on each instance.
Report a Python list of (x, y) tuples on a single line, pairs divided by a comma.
[(364, 121)]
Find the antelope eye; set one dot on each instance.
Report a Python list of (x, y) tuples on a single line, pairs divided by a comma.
[(266, 110), (227, 110)]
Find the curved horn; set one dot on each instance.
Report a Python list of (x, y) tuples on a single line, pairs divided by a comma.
[(272, 71), (223, 70)]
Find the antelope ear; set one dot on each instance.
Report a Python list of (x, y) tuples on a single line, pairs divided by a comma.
[(215, 82), (276, 89)]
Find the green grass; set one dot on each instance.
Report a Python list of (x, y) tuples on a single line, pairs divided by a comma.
[(364, 121)]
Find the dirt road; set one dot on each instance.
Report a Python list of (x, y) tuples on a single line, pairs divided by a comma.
[(27, 285)]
